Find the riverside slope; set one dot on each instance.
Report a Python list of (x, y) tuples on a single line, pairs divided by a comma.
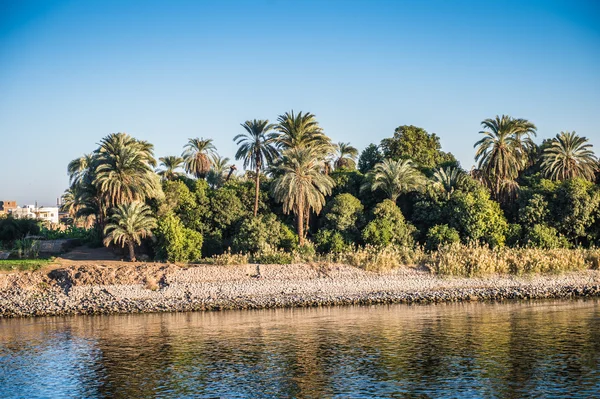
[(72, 287)]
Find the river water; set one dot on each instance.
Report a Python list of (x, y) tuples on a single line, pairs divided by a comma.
[(510, 350)]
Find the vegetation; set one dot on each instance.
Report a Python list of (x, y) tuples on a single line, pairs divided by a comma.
[(525, 208)]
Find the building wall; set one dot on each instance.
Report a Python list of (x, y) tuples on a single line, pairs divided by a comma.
[(6, 206)]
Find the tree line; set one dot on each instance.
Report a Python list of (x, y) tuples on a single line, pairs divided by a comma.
[(301, 191)]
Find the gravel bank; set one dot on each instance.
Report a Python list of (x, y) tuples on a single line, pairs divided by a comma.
[(101, 288)]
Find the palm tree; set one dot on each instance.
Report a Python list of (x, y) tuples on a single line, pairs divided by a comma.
[(129, 224), (124, 173), (301, 186), (569, 156), (297, 131), (196, 156), (80, 169), (169, 165), (216, 174), (257, 149), (448, 179), (346, 156), (394, 178), (503, 152)]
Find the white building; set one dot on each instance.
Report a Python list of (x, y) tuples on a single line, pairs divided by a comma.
[(46, 213)]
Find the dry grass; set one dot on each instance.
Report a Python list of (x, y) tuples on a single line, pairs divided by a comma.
[(380, 259), (478, 260)]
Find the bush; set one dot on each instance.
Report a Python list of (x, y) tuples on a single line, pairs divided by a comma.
[(343, 214), (12, 229), (175, 242), (254, 233), (388, 227), (271, 255), (441, 235), (330, 241), (541, 236)]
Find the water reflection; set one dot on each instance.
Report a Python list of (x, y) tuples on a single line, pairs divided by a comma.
[(517, 350)]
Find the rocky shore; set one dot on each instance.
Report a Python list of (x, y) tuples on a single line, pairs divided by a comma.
[(116, 287)]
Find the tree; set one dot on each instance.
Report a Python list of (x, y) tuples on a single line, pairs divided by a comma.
[(388, 226), (448, 179), (300, 185), (440, 235), (129, 224), (394, 178), (501, 154), (216, 175), (176, 243), (124, 171), (569, 156), (343, 214), (257, 149), (346, 156), (370, 157), (169, 165), (196, 156), (300, 131), (411, 142)]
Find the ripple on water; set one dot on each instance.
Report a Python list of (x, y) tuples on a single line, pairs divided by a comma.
[(511, 350)]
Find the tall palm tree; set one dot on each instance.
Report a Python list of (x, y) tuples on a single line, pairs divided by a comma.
[(301, 130), (503, 151), (196, 156), (169, 165), (346, 156), (216, 174), (301, 186), (394, 178), (124, 173), (80, 169), (569, 156), (129, 224), (448, 179), (257, 149)]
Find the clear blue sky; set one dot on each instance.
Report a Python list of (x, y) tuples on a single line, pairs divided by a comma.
[(72, 72)]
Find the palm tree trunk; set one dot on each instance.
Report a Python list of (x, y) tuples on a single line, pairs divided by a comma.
[(300, 221), (131, 251), (257, 182)]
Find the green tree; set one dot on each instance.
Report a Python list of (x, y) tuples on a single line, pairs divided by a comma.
[(300, 131), (448, 179), (128, 225), (545, 237), (169, 166), (219, 168), (573, 208), (301, 186), (476, 217), (414, 143), (196, 156), (255, 234), (394, 178), (388, 227), (176, 243), (369, 157), (343, 214), (258, 150), (346, 156), (440, 235), (569, 156), (124, 171), (502, 152)]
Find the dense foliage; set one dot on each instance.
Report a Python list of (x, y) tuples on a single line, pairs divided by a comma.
[(302, 192)]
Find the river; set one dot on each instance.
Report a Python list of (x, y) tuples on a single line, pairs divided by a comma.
[(495, 350)]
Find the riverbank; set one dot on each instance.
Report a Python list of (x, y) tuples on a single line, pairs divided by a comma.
[(71, 287)]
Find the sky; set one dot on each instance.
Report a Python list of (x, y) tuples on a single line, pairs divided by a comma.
[(72, 72)]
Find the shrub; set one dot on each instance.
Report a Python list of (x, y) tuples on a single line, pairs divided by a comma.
[(255, 233), (343, 213), (380, 259), (541, 236), (330, 241), (271, 255), (12, 229), (388, 227), (175, 242), (441, 235)]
